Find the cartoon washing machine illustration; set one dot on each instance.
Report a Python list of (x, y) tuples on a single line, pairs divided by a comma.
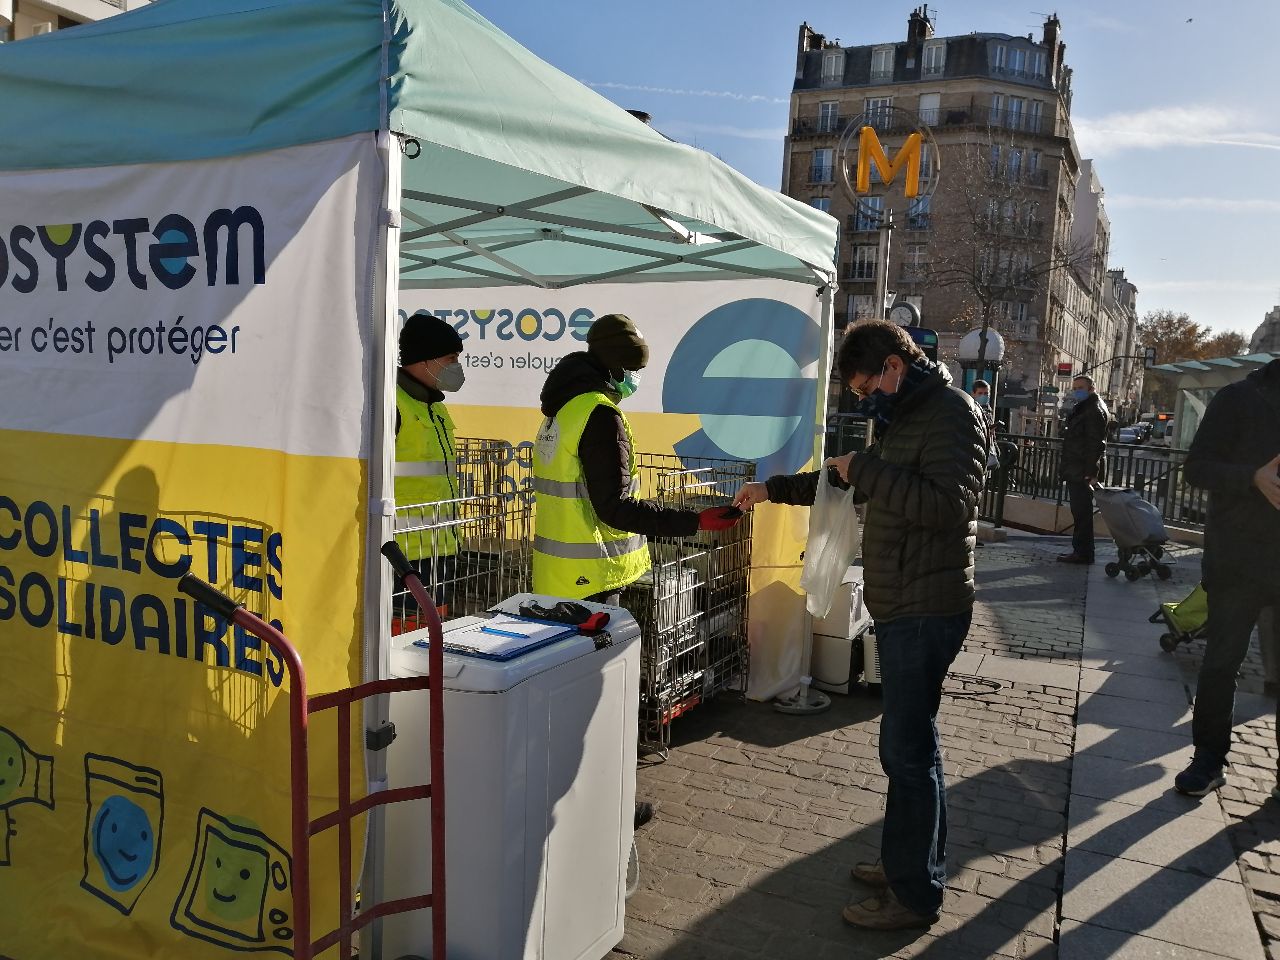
[(238, 891), (122, 829)]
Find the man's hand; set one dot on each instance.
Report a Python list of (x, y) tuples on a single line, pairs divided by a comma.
[(750, 495), (1268, 482), (841, 464)]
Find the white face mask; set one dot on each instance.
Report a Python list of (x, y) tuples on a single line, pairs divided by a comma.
[(450, 377)]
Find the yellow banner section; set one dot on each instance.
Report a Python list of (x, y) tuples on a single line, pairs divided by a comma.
[(776, 627), (144, 748)]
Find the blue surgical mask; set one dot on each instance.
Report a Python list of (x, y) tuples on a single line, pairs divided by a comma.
[(1079, 395), (628, 385), (982, 401)]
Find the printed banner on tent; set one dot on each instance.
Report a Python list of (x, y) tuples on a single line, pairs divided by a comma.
[(733, 373), (184, 355)]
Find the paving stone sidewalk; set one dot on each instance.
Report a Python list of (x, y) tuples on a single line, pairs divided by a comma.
[(1061, 729)]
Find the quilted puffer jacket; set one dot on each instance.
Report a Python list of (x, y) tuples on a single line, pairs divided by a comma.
[(921, 481)]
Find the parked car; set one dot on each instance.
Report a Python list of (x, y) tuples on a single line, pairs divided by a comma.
[(1129, 435)]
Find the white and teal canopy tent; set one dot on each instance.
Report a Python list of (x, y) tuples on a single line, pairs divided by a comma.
[(476, 164), (525, 175)]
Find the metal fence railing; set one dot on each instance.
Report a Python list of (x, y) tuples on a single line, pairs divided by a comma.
[(1031, 467), (1154, 472)]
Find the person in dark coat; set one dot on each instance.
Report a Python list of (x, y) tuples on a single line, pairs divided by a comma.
[(1236, 457), (920, 482), (1084, 445)]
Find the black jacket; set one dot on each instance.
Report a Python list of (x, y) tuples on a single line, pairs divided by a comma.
[(921, 481), (606, 455), (1240, 432), (1084, 440)]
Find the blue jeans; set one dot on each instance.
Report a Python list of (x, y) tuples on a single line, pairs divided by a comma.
[(915, 654)]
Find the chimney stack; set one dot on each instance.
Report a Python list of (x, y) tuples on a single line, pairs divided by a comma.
[(919, 26), (1055, 50), (809, 40)]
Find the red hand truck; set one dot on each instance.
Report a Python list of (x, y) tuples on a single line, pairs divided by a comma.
[(303, 828)]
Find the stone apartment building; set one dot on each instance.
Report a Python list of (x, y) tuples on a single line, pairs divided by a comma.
[(1266, 339), (1004, 99), (1127, 373), (20, 19)]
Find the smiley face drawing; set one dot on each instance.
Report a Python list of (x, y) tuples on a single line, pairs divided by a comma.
[(235, 878), (122, 830), (238, 889), (12, 766), (123, 842)]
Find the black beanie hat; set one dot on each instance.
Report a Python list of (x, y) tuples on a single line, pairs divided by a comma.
[(425, 337), (614, 340)]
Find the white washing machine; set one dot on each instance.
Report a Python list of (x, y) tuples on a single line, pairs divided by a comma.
[(540, 776)]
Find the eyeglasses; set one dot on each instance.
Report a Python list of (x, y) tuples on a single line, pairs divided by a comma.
[(863, 390)]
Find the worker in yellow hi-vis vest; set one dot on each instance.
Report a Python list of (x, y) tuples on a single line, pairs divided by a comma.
[(589, 536), (426, 475)]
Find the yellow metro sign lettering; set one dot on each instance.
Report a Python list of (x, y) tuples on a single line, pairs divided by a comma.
[(870, 151)]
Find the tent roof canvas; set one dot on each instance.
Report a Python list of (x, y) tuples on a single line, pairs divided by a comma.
[(524, 175)]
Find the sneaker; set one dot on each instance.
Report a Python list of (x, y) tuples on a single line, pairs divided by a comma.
[(872, 874), (885, 912), (644, 813), (1202, 776)]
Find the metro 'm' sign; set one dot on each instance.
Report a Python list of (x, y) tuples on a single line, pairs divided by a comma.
[(871, 151)]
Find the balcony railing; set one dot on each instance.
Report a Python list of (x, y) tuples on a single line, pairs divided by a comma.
[(918, 221), (821, 174), (881, 76), (860, 271), (891, 122)]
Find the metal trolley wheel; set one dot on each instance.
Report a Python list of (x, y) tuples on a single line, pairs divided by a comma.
[(1168, 642)]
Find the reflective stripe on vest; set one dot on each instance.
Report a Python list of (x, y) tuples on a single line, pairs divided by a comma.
[(575, 554), (425, 469)]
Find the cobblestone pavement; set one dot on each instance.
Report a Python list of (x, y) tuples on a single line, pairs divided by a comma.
[(760, 815)]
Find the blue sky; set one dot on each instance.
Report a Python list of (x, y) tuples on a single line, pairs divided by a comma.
[(1183, 118)]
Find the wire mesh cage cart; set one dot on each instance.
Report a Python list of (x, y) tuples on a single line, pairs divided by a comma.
[(471, 551), (692, 606)]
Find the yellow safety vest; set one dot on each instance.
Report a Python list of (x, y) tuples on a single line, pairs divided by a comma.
[(575, 554), (426, 472)]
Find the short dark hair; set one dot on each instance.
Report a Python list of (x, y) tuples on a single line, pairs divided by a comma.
[(869, 344), (1085, 377), (981, 383)]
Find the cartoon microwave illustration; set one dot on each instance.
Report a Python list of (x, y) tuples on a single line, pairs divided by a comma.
[(238, 891), (25, 777), (122, 829)]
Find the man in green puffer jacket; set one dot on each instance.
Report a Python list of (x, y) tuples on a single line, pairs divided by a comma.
[(920, 481)]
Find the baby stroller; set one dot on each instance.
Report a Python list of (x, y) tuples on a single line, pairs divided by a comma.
[(1139, 533), (1185, 619)]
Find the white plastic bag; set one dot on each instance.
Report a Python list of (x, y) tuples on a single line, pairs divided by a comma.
[(832, 545)]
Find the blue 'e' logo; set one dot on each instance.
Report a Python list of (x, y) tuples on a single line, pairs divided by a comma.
[(739, 369)]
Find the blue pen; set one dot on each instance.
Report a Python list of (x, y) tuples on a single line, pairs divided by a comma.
[(503, 633)]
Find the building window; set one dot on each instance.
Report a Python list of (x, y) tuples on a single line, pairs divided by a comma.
[(995, 162), (999, 54), (1017, 113), (1035, 110), (877, 111), (863, 308), (832, 68), (828, 116), (913, 264), (918, 213), (928, 110), (1038, 63), (997, 110), (863, 266), (1033, 163), (881, 64), (926, 162), (1015, 163), (820, 170), (935, 58), (867, 214), (821, 203), (1017, 61)]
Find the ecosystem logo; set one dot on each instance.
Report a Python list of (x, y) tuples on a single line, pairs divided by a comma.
[(739, 369)]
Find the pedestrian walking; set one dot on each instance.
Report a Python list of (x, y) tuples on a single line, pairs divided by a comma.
[(1084, 446), (920, 481), (1236, 457)]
